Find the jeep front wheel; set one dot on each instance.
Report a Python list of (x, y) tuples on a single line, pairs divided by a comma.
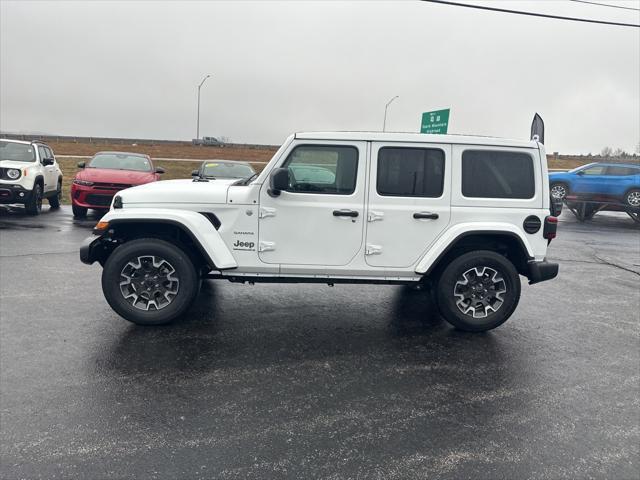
[(149, 281), (478, 291), (34, 204)]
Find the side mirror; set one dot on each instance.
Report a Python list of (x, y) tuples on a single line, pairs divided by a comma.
[(160, 170), (581, 172), (81, 164), (278, 181), (195, 173), (47, 161)]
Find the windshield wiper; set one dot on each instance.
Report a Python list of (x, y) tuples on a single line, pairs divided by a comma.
[(246, 180)]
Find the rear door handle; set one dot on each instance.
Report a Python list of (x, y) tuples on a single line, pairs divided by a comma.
[(345, 213), (429, 215)]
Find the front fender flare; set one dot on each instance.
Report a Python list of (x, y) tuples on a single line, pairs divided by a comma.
[(458, 231), (194, 224)]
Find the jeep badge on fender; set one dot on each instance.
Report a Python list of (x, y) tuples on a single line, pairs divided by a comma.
[(243, 245)]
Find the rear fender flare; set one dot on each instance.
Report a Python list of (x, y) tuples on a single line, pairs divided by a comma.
[(459, 231)]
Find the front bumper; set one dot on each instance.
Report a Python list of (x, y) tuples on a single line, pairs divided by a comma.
[(541, 271), (91, 249), (14, 193), (92, 197)]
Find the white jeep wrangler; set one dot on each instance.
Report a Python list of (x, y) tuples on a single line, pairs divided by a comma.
[(464, 216), (28, 173)]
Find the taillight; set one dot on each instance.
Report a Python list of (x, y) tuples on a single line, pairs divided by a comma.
[(550, 227)]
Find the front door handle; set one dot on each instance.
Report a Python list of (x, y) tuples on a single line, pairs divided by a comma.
[(345, 213), (429, 215)]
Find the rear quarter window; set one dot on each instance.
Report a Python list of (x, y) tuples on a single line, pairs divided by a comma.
[(497, 174)]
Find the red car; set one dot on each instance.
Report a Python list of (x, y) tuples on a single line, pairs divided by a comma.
[(106, 174)]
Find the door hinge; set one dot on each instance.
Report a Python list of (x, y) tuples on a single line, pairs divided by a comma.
[(373, 216), (266, 246), (373, 250), (266, 212)]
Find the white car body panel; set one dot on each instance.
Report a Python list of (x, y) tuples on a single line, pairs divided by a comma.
[(390, 216), (295, 235), (177, 192), (286, 237)]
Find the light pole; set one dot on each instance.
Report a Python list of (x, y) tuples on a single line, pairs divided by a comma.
[(384, 122), (198, 121)]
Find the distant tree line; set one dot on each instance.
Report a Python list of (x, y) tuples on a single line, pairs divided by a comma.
[(619, 152)]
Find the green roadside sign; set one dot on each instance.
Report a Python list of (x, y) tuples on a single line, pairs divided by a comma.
[(435, 122)]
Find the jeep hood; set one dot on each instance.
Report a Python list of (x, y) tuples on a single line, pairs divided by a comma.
[(14, 164), (177, 191)]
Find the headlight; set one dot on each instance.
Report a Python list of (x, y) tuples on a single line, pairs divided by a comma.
[(13, 173), (84, 183)]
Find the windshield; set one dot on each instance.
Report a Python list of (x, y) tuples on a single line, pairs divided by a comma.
[(120, 161), (226, 170), (18, 152), (581, 167)]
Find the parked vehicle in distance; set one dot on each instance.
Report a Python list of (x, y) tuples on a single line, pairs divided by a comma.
[(29, 172), (106, 174), (464, 216), (616, 181), (217, 169), (206, 141)]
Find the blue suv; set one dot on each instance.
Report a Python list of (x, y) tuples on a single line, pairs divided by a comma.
[(615, 181)]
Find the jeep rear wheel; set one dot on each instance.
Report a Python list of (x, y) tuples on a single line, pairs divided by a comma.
[(34, 205), (478, 291), (149, 281)]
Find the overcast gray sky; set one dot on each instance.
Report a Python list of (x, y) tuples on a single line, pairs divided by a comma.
[(130, 69)]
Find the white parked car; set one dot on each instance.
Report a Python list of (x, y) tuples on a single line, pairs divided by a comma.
[(464, 216), (28, 173)]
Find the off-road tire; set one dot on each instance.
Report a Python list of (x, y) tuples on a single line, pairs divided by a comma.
[(184, 272), (54, 201), (78, 212), (34, 205), (455, 272)]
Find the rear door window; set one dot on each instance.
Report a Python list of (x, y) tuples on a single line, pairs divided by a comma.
[(410, 172), (497, 174), (622, 171)]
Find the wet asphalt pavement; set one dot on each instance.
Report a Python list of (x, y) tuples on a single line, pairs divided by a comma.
[(309, 381)]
